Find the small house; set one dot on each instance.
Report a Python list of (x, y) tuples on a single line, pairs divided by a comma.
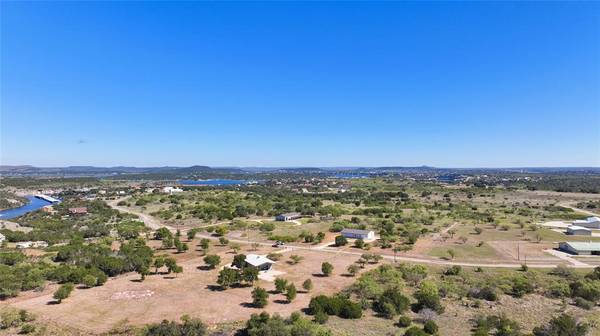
[(78, 211), (261, 262), (2, 238), (358, 234), (578, 231), (288, 216), (171, 190), (580, 248), (590, 222), (31, 244)]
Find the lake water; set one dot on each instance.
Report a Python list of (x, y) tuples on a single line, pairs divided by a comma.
[(215, 182), (33, 205)]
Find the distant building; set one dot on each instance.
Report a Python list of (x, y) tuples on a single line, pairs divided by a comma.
[(580, 248), (288, 216), (78, 211), (358, 234), (49, 209), (261, 262), (590, 222), (2, 238), (31, 244), (578, 231), (171, 190)]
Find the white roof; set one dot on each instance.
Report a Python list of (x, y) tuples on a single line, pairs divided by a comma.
[(257, 260), (575, 227), (2, 236)]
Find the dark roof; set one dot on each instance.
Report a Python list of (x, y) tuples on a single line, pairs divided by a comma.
[(356, 231)]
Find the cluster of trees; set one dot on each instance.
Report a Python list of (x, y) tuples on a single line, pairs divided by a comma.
[(264, 324), (561, 325), (322, 306), (241, 274), (188, 326), (169, 240), (288, 289)]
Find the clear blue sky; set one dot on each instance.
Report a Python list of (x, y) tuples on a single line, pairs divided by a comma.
[(455, 84)]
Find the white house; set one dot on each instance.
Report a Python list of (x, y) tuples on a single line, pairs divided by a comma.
[(2, 238), (580, 248), (358, 234), (590, 222), (578, 231), (171, 190), (31, 244), (288, 216), (261, 262)]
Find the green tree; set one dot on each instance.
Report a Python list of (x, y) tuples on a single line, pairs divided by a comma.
[(291, 292), (228, 277), (280, 285), (340, 240), (89, 281), (563, 325), (63, 292), (307, 285), (260, 297), (326, 268), (212, 260), (249, 274)]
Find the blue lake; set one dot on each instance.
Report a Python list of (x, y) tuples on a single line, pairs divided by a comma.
[(33, 205), (215, 182)]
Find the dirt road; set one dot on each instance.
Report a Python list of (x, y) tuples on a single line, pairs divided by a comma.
[(154, 224)]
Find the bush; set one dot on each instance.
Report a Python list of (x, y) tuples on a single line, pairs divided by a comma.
[(260, 297), (340, 241), (415, 331), (583, 303), (404, 321), (321, 317), (562, 325), (27, 329), (326, 268), (454, 270), (430, 327)]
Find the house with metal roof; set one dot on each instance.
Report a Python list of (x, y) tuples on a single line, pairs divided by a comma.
[(261, 262), (358, 234), (590, 222), (578, 231), (288, 216), (580, 248)]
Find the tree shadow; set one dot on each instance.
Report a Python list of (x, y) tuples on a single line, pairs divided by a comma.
[(281, 301), (136, 280), (347, 275), (215, 288), (248, 305), (204, 268), (53, 302), (273, 292), (170, 277), (319, 275)]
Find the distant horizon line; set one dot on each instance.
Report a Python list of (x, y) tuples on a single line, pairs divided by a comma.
[(291, 166)]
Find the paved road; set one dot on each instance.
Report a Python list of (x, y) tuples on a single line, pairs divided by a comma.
[(154, 224)]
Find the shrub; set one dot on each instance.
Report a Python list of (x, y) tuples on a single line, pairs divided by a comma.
[(583, 303), (307, 285), (326, 268), (340, 241), (415, 331), (562, 325), (212, 260), (63, 292), (404, 321), (260, 297), (430, 327), (454, 270)]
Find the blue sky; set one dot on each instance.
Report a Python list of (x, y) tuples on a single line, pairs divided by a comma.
[(454, 84)]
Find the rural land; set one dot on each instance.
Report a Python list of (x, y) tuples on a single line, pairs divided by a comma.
[(299, 251)]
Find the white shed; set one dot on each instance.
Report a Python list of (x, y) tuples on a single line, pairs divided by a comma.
[(358, 234), (578, 231)]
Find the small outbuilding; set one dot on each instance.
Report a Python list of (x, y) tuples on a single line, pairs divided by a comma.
[(590, 222), (78, 211), (358, 234), (288, 216), (261, 262), (2, 238), (580, 248), (578, 231)]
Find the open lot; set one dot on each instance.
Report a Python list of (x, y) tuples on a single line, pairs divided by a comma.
[(168, 297)]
